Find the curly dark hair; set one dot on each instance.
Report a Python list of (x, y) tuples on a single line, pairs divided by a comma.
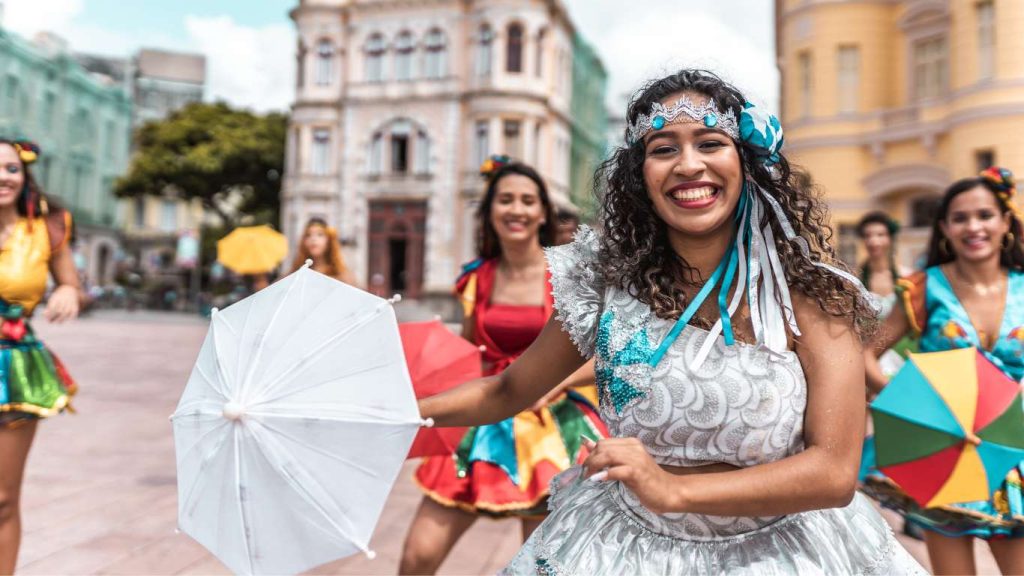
[(1012, 259), (637, 256), (489, 245)]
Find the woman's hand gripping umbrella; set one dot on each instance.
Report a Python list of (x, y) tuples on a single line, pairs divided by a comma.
[(293, 426)]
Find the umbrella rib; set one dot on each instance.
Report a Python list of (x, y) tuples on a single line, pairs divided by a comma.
[(245, 324), (318, 450), (263, 337), (291, 371), (200, 479), (241, 505), (285, 394), (225, 321), (267, 443), (210, 382), (383, 420), (217, 356)]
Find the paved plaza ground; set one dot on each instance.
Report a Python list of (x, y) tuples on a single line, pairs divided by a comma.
[(99, 494)]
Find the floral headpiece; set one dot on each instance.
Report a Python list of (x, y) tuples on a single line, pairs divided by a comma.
[(27, 151), (494, 163), (1006, 188)]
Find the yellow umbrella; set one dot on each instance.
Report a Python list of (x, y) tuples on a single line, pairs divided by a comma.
[(252, 249)]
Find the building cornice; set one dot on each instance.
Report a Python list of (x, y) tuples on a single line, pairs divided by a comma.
[(909, 130), (809, 5)]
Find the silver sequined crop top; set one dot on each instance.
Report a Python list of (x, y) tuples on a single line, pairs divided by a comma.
[(743, 406)]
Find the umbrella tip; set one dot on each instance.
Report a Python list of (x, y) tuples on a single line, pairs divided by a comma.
[(483, 348), (437, 317), (427, 422), (371, 554), (308, 263), (395, 299), (214, 310)]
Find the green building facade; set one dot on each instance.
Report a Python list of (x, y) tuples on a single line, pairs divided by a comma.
[(82, 121), (589, 124)]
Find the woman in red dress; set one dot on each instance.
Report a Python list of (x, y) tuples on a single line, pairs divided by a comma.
[(503, 470)]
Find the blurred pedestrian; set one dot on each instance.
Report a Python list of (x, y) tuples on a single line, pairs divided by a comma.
[(568, 223), (320, 244), (970, 295), (879, 273), (504, 470), (34, 238)]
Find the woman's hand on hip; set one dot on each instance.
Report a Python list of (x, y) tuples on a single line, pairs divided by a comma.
[(627, 461)]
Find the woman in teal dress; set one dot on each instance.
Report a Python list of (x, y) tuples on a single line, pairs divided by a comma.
[(970, 294)]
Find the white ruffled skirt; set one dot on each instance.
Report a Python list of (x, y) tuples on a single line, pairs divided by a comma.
[(599, 528)]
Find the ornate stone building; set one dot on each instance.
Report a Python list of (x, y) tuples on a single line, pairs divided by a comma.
[(397, 105), (887, 102)]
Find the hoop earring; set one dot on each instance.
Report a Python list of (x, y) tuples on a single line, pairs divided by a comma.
[(944, 247), (1008, 240)]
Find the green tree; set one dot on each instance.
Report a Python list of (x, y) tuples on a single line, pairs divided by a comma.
[(230, 159)]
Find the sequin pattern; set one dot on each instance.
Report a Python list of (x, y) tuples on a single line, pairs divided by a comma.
[(744, 406)]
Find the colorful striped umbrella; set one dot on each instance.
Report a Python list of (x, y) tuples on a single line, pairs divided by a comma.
[(949, 427)]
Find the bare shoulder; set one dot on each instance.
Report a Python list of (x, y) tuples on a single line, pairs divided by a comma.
[(818, 325)]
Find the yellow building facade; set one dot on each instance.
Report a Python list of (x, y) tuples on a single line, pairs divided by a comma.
[(887, 102)]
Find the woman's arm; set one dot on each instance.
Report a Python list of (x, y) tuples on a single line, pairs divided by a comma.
[(584, 376), (66, 298), (547, 362), (824, 475), (889, 333)]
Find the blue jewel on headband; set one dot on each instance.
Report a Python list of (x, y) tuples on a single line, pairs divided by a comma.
[(711, 120), (658, 123)]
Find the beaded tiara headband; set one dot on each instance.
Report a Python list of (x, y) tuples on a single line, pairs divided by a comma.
[(683, 110)]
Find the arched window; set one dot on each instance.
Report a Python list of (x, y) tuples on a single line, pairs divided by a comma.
[(375, 49), (434, 60), (404, 48), (324, 63), (514, 54), (538, 68), (485, 51)]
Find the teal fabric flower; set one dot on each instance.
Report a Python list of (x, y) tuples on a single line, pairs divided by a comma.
[(622, 364), (761, 129)]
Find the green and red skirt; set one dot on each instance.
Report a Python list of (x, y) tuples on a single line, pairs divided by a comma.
[(33, 381), (505, 469)]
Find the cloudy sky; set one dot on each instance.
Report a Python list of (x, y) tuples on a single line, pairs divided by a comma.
[(249, 44)]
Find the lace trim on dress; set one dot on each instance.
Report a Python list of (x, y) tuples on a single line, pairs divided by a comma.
[(576, 286)]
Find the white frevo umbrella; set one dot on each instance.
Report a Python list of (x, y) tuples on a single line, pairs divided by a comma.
[(293, 426)]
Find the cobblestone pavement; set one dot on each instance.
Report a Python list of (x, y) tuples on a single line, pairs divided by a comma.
[(99, 494)]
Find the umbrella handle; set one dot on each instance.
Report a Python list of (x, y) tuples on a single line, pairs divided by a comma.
[(972, 438)]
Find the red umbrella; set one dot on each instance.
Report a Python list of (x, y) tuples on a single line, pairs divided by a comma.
[(437, 360)]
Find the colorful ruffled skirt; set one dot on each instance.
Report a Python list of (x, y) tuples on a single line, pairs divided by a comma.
[(33, 381), (602, 529), (505, 469), (1000, 517)]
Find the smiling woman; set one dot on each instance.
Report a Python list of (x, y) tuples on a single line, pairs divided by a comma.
[(504, 469), (34, 238), (726, 351), (971, 294)]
